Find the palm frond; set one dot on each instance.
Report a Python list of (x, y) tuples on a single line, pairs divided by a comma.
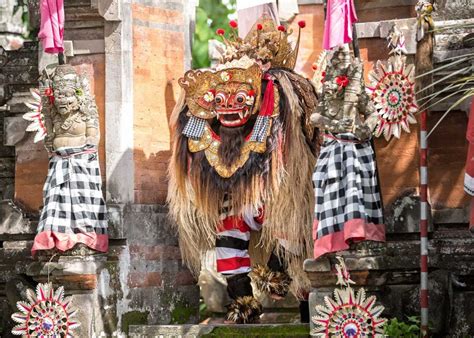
[(454, 105), (443, 79)]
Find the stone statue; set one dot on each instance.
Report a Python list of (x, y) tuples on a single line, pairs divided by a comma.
[(348, 205), (345, 99), (74, 208), (70, 112)]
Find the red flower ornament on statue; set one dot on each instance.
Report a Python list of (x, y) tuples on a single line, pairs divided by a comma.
[(233, 24), (220, 31), (281, 28), (342, 81), (259, 27), (302, 24), (49, 93)]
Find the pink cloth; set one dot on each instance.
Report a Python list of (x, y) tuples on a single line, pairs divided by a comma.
[(51, 31), (47, 240), (355, 230), (340, 17)]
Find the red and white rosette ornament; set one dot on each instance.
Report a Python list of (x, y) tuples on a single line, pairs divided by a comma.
[(392, 90), (47, 313), (347, 313), (35, 116)]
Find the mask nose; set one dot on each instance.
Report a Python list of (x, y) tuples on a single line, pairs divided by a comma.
[(230, 101)]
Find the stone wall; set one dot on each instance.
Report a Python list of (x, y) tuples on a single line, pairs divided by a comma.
[(142, 279)]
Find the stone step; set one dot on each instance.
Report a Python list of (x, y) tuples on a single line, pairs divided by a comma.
[(222, 330)]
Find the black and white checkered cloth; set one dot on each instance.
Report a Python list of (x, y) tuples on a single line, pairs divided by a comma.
[(72, 194), (345, 184), (260, 129), (194, 128)]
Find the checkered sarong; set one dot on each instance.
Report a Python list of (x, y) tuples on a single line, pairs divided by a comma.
[(73, 202), (347, 194)]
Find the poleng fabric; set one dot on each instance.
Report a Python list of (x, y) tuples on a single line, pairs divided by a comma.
[(340, 17), (74, 208), (348, 206), (51, 31), (232, 242)]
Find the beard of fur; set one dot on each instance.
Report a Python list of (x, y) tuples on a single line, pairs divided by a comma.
[(232, 140)]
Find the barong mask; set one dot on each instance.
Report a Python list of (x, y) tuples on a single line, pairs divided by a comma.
[(241, 134)]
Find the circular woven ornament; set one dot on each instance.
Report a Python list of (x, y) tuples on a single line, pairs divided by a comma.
[(47, 313), (392, 90), (348, 315)]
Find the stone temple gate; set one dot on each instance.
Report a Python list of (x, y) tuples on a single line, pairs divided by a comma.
[(133, 52)]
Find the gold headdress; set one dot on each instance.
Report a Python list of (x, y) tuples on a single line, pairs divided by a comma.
[(265, 43)]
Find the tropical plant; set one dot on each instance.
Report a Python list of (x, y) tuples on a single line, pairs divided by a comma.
[(409, 329), (210, 15)]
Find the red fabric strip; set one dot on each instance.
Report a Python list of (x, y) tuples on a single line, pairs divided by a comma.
[(266, 108), (233, 223), (233, 263)]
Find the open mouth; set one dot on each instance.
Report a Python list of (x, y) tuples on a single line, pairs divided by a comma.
[(233, 117)]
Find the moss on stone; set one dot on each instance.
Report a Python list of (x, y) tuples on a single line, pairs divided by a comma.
[(279, 330), (134, 318), (182, 313)]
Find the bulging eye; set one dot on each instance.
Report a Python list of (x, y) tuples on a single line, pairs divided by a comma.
[(240, 98), (219, 98)]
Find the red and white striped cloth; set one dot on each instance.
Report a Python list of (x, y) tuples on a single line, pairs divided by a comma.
[(469, 175), (232, 243)]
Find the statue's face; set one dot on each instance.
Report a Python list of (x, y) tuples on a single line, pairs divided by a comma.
[(65, 100), (233, 103)]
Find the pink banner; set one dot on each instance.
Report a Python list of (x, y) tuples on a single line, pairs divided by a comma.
[(340, 16), (51, 31)]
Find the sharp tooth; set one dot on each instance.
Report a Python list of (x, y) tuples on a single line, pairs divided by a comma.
[(241, 115), (217, 115)]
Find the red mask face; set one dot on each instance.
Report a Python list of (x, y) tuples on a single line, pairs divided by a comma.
[(233, 103)]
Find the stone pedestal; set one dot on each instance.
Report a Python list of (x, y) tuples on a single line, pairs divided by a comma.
[(91, 278), (391, 270)]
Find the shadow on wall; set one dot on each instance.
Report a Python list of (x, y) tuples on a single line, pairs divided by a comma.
[(151, 181)]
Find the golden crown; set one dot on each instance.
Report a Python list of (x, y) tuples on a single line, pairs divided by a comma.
[(265, 42)]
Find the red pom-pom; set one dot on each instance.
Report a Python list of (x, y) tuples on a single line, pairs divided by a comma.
[(220, 31), (281, 28), (302, 24), (323, 74), (233, 23), (259, 26), (251, 92)]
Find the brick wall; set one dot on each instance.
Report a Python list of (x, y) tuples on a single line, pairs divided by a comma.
[(158, 61)]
